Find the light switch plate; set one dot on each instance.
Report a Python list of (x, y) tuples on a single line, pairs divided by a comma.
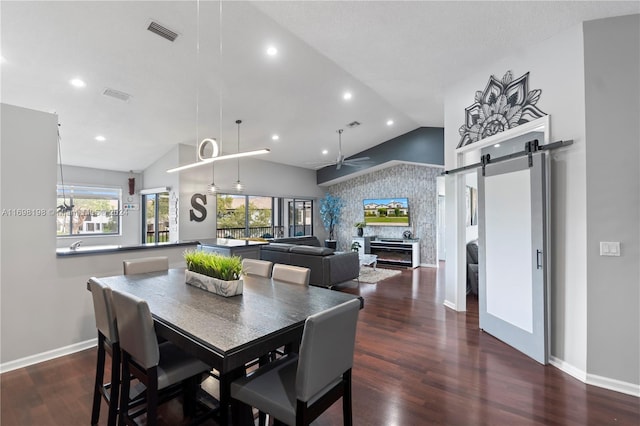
[(609, 248)]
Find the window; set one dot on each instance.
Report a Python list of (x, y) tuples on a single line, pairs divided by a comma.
[(96, 211), (242, 216), (300, 217)]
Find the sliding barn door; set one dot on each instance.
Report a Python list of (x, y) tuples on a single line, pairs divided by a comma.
[(512, 253)]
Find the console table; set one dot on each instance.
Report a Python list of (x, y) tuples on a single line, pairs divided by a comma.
[(397, 252)]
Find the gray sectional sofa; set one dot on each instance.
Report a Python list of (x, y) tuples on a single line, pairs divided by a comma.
[(328, 268)]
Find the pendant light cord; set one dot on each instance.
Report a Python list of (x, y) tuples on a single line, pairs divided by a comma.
[(238, 123), (64, 198)]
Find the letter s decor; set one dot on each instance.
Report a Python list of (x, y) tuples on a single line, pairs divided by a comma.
[(198, 202)]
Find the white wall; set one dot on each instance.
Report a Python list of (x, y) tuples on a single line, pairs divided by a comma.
[(130, 221), (556, 67), (613, 196), (29, 297)]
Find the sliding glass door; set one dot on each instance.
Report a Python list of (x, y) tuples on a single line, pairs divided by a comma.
[(155, 216), (252, 216)]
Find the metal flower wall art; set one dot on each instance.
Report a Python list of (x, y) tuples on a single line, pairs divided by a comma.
[(503, 105)]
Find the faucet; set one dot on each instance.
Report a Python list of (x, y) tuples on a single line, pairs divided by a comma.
[(75, 245)]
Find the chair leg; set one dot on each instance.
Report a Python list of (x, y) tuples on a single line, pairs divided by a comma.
[(152, 396), (115, 384), (97, 394), (346, 399), (189, 392), (262, 418), (124, 391)]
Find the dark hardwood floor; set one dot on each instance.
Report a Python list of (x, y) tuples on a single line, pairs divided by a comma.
[(416, 363)]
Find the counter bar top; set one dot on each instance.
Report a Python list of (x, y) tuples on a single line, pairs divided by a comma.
[(106, 249)]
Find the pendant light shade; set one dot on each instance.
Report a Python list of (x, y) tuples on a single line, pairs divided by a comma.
[(212, 189)]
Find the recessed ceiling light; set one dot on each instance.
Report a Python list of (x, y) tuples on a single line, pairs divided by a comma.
[(275, 137), (497, 145), (100, 138), (325, 151), (347, 96), (272, 51), (76, 82), (389, 122)]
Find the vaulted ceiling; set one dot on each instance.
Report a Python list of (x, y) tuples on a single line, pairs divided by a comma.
[(395, 58)]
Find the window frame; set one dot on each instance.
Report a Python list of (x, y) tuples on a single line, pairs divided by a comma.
[(76, 191), (277, 215)]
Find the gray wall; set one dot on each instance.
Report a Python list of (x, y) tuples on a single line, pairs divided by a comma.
[(612, 94), (591, 95), (417, 183), (422, 145)]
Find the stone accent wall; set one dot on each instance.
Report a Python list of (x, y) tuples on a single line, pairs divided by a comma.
[(417, 183)]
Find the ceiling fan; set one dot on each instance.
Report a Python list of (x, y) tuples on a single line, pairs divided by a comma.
[(341, 161)]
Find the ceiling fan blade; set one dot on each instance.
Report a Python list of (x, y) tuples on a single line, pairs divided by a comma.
[(355, 160)]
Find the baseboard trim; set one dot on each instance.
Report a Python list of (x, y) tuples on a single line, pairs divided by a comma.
[(450, 305), (595, 380), (614, 385), (46, 356), (428, 265), (568, 368)]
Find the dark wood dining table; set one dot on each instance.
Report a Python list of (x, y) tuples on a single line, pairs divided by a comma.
[(227, 332)]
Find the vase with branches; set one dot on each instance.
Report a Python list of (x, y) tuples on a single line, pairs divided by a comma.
[(330, 209)]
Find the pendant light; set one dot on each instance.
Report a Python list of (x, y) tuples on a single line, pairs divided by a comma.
[(200, 160), (212, 187), (239, 186)]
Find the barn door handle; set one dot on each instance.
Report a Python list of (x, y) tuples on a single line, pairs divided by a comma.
[(538, 259)]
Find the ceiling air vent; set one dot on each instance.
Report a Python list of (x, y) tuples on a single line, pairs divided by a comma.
[(163, 32), (353, 124), (117, 94)]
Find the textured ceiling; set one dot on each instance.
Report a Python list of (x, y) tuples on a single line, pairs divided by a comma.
[(397, 59)]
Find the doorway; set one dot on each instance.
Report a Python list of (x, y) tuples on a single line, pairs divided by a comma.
[(155, 218), (462, 185)]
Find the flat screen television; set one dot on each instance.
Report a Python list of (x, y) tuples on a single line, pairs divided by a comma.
[(386, 211)]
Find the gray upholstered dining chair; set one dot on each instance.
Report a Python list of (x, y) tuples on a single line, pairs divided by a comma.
[(145, 264), (261, 268), (159, 367), (296, 389), (107, 343), (291, 274)]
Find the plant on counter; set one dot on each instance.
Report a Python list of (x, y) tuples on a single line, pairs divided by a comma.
[(360, 227), (214, 265)]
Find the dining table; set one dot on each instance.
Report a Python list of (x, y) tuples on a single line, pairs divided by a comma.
[(227, 332)]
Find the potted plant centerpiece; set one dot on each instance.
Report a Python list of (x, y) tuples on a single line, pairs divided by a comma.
[(330, 209), (214, 272), (360, 227)]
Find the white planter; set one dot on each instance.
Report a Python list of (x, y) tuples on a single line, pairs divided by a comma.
[(213, 285)]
